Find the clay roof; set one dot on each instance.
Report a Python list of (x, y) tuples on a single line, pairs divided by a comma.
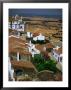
[(13, 38), (41, 47), (21, 51), (22, 64), (18, 45), (49, 45), (35, 34), (16, 42)]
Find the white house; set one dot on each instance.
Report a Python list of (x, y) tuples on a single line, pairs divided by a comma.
[(29, 35), (39, 37), (32, 49), (16, 25), (35, 38), (57, 54)]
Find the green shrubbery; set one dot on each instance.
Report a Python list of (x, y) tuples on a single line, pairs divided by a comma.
[(42, 64)]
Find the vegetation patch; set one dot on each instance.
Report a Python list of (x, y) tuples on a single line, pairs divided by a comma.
[(42, 64)]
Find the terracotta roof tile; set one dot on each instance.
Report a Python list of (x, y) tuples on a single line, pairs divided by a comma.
[(49, 45), (22, 64), (16, 44), (35, 34)]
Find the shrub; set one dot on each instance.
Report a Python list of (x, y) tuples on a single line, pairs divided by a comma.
[(42, 64), (38, 58)]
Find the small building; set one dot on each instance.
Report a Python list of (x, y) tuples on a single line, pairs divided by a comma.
[(20, 58), (32, 49), (16, 25), (57, 54), (29, 35), (40, 37)]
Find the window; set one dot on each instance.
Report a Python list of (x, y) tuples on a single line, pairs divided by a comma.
[(20, 26)]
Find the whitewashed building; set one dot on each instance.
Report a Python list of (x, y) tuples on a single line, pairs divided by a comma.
[(16, 25), (40, 37), (32, 49), (57, 54), (29, 35)]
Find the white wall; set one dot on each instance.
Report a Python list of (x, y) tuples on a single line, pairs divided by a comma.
[(16, 26), (13, 26), (56, 56)]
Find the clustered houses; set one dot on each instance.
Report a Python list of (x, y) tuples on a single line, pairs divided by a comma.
[(39, 37), (16, 47), (19, 56), (22, 50), (17, 25)]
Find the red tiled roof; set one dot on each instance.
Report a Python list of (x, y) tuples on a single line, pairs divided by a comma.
[(22, 64), (41, 47), (35, 34), (16, 44), (49, 45), (15, 39)]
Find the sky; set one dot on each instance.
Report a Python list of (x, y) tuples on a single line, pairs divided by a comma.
[(36, 12)]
